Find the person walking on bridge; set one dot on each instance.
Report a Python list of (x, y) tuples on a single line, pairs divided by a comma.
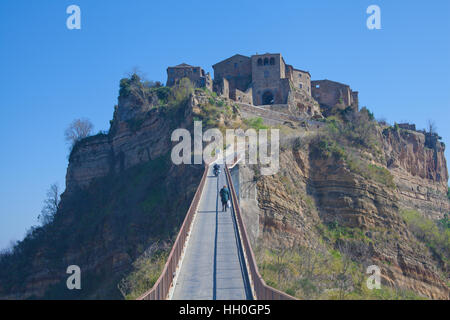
[(224, 196)]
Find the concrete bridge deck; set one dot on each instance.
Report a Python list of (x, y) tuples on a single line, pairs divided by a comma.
[(213, 267)]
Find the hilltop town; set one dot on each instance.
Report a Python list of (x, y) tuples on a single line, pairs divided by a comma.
[(267, 80), (350, 192)]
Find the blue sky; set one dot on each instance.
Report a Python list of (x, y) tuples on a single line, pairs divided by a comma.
[(51, 75)]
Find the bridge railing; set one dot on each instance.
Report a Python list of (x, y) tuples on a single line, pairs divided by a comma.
[(261, 291), (162, 286)]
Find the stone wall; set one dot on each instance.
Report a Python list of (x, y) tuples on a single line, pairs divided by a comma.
[(299, 78), (244, 97), (334, 94), (268, 73), (237, 70), (222, 87), (302, 104), (196, 74)]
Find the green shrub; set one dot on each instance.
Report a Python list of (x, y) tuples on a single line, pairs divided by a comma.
[(381, 175), (181, 92), (355, 129), (345, 138), (163, 94), (320, 273), (147, 270), (326, 148), (435, 235), (396, 127), (444, 223), (255, 123)]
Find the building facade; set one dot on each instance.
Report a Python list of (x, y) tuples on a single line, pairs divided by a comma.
[(266, 79), (331, 94), (196, 74), (262, 79)]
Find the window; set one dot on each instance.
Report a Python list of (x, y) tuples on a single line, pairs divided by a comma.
[(272, 61), (301, 85), (266, 74), (299, 75), (235, 65), (317, 86), (266, 61), (195, 70), (260, 62)]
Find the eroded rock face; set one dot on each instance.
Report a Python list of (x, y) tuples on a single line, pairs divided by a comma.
[(100, 155), (420, 171), (311, 190), (122, 195), (137, 135)]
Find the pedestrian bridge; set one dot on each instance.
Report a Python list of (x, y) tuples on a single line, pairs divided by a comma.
[(212, 258)]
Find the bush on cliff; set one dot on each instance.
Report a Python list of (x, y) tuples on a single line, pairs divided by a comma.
[(350, 136), (141, 90), (356, 129), (255, 123), (435, 235), (147, 270), (180, 93), (320, 273)]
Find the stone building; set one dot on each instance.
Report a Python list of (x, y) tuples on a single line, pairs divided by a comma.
[(269, 82), (331, 94), (196, 74), (301, 79), (260, 79), (266, 79), (407, 126)]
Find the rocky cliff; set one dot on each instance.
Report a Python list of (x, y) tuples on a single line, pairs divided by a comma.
[(418, 164), (351, 202), (123, 195), (335, 207), (124, 200)]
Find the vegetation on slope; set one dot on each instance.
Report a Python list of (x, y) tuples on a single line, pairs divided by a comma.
[(332, 263), (146, 271), (107, 226), (320, 273), (116, 219), (332, 266), (352, 137), (435, 235)]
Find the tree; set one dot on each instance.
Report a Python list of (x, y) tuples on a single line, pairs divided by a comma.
[(78, 130), (343, 278), (432, 128), (181, 91), (280, 252), (51, 205)]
